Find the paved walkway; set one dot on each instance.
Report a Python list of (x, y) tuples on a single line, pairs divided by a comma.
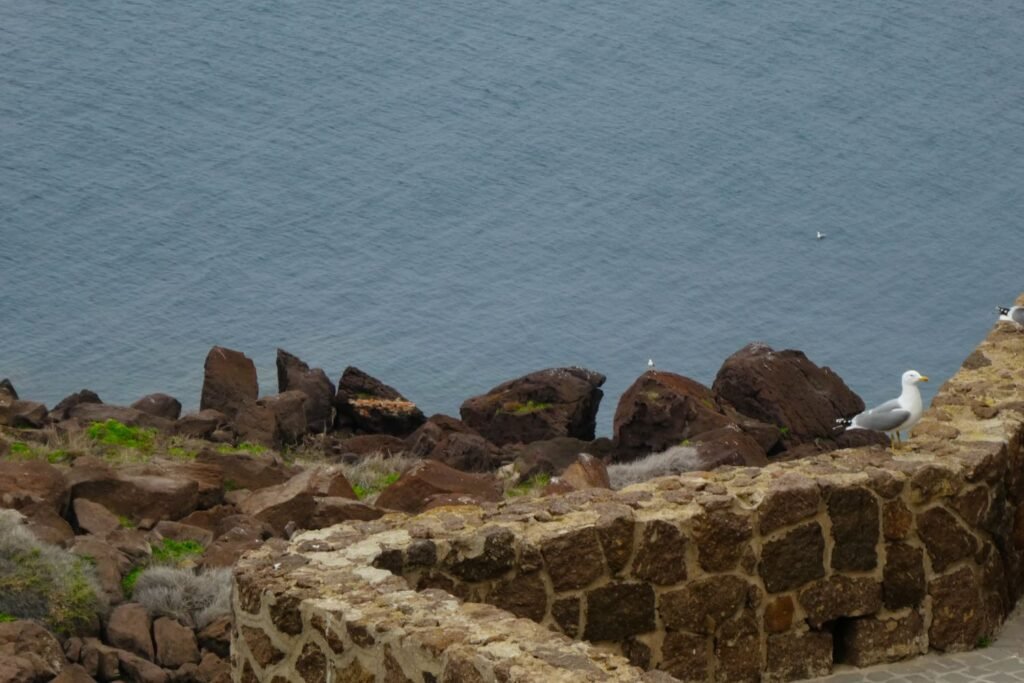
[(1000, 662)]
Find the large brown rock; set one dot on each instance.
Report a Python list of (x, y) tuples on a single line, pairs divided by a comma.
[(93, 518), (786, 389), (87, 413), (273, 421), (294, 374), (6, 388), (142, 497), (244, 471), (663, 409), (586, 473), (331, 510), (61, 410), (161, 405), (200, 425), (175, 644), (468, 453), (208, 478), (229, 380), (728, 445), (40, 654), (295, 500), (24, 483), (366, 405), (541, 405), (140, 670), (412, 491), (128, 628), (47, 525), (427, 436), (550, 456), (21, 414)]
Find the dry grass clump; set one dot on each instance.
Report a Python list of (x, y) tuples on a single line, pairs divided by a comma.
[(675, 460), (44, 582), (194, 599), (374, 472), (110, 440)]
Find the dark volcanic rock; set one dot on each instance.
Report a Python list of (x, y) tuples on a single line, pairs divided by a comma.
[(7, 388), (290, 412), (87, 413), (21, 414), (467, 452), (550, 456), (23, 483), (728, 446), (366, 405), (28, 652), (137, 497), (617, 611), (229, 380), (200, 425), (244, 471), (295, 500), (426, 438), (428, 478), (60, 411), (662, 409), (294, 374), (786, 389), (160, 405), (541, 405)]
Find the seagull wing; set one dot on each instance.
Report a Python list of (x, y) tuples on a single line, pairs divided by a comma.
[(884, 418), (1017, 315)]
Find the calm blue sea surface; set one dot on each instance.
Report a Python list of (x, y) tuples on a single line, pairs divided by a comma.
[(451, 194)]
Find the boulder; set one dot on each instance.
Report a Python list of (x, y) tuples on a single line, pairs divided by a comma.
[(21, 414), (294, 501), (208, 519), (93, 518), (289, 411), (468, 453), (73, 673), (160, 405), (7, 388), (176, 531), (100, 660), (728, 446), (586, 473), (175, 644), (138, 497), (293, 374), (200, 425), (366, 405), (244, 471), (128, 628), (26, 482), (420, 443), (46, 525), (549, 457), (412, 491), (61, 411), (139, 670), (40, 653), (87, 413), (256, 422), (541, 405), (110, 563), (229, 380), (209, 478), (331, 510), (786, 389), (662, 409), (213, 669), (216, 637)]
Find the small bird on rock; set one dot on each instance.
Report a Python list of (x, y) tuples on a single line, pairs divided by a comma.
[(890, 417), (650, 363)]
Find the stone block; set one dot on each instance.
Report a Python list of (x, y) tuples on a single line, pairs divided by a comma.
[(574, 559), (945, 539), (721, 537), (903, 583), (870, 640), (702, 606), (661, 557), (794, 559), (854, 514), (839, 596), (617, 611), (798, 655)]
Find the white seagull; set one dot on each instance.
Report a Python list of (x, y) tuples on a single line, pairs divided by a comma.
[(1013, 314), (895, 414), (650, 363), (821, 235)]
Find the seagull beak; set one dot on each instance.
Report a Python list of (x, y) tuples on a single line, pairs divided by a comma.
[(924, 378)]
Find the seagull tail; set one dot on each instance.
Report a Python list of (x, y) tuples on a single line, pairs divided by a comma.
[(1003, 310), (843, 423)]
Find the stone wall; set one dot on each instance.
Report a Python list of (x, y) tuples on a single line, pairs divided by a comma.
[(741, 574)]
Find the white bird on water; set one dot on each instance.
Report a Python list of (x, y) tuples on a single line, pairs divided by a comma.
[(1013, 314), (899, 413), (821, 235)]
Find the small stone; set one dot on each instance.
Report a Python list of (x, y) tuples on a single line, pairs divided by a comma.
[(128, 628), (897, 520), (778, 614)]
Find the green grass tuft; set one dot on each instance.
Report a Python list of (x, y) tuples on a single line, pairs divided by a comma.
[(129, 579), (5, 617), (174, 552), (114, 433), (21, 450), (524, 408), (534, 483), (375, 486)]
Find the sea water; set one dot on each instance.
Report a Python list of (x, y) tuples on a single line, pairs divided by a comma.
[(451, 194)]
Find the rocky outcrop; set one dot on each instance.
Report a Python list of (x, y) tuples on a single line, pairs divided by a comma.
[(662, 409), (273, 421), (294, 374), (160, 405), (742, 573), (295, 501), (229, 380), (61, 410), (419, 484), (87, 413), (21, 414), (138, 498), (366, 405), (28, 652), (200, 425), (23, 483), (785, 389), (541, 405)]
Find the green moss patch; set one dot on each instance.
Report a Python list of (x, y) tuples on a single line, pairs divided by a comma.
[(172, 552), (375, 486), (114, 433), (245, 447), (514, 408), (534, 483)]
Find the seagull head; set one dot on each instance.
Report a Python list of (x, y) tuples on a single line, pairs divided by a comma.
[(913, 377)]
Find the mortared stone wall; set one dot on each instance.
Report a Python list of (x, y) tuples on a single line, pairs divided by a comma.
[(741, 574)]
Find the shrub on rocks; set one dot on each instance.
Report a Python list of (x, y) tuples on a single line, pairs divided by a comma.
[(44, 582), (194, 599)]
